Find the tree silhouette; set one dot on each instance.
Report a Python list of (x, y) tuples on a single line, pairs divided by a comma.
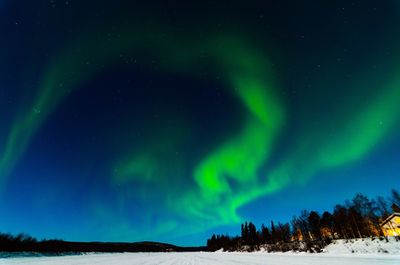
[(315, 225), (395, 208), (395, 197), (327, 225)]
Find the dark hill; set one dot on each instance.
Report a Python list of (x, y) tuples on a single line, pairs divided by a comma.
[(27, 244)]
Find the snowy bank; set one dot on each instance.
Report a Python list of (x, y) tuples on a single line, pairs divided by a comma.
[(364, 246)]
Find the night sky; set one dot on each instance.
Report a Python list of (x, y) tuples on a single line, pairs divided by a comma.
[(170, 121)]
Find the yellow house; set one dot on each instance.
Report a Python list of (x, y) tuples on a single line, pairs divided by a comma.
[(391, 226)]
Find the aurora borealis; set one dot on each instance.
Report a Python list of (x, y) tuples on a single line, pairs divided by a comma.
[(136, 120)]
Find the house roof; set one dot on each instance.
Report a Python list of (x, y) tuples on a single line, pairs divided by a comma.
[(390, 218)]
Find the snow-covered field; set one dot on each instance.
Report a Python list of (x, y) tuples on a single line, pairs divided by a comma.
[(340, 252), (212, 259)]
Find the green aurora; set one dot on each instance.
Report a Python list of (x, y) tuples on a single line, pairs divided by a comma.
[(246, 71)]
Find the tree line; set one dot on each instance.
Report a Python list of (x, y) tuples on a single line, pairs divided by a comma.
[(356, 218)]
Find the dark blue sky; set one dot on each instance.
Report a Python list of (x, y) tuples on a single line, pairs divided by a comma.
[(142, 120)]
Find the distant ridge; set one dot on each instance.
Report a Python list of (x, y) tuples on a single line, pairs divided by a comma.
[(12, 244)]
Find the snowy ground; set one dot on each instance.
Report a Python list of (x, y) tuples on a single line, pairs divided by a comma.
[(365, 245), (212, 259), (340, 252)]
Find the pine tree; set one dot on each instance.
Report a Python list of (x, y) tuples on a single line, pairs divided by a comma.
[(305, 228), (266, 235), (315, 224), (395, 197), (382, 207), (395, 208), (340, 221), (327, 223), (296, 228), (284, 232), (273, 233), (252, 235), (245, 234)]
